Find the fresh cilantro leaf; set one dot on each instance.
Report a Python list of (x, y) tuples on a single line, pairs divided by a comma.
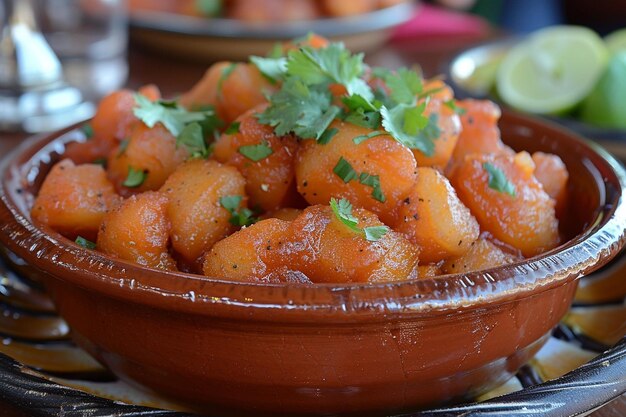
[(327, 135), (395, 121), (331, 64), (451, 104), (211, 123), (224, 75), (243, 217), (370, 119), (381, 72), (87, 130), (404, 84), (169, 113), (272, 68), (296, 108), (355, 102), (342, 209), (191, 138), (375, 233), (498, 180), (135, 177), (344, 170), (362, 138), (233, 128), (256, 152), (209, 8), (374, 182), (231, 202), (87, 244), (122, 147)]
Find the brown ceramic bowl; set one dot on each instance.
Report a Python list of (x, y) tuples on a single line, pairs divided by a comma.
[(230, 348)]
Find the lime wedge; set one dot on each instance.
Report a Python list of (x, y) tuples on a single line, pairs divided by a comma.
[(553, 70), (616, 41), (606, 105)]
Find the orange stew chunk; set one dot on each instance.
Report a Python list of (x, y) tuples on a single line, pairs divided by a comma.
[(144, 161), (344, 169), (507, 200), (483, 254), (434, 218), (551, 172), (198, 219), (73, 199), (138, 231), (265, 160), (326, 250)]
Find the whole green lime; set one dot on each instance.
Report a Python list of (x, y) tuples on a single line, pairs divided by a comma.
[(606, 105)]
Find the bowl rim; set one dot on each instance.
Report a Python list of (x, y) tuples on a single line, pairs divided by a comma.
[(55, 255)]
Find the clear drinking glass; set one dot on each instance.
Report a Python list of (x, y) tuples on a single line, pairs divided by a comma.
[(90, 38)]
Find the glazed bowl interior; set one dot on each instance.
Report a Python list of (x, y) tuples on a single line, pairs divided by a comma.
[(238, 348)]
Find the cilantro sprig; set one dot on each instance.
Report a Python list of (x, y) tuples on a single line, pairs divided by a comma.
[(85, 243), (305, 106), (498, 180), (190, 128), (342, 209), (257, 152), (239, 216), (135, 177)]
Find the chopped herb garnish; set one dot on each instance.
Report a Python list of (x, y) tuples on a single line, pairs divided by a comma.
[(87, 130), (272, 68), (344, 170), (498, 180), (87, 244), (404, 84), (233, 128), (374, 233), (451, 104), (296, 108), (360, 117), (122, 147), (327, 135), (239, 217), (224, 75), (135, 177), (256, 152), (342, 209), (374, 182), (191, 138), (362, 138), (169, 113), (331, 64), (404, 117)]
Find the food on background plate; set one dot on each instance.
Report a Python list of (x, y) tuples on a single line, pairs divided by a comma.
[(337, 172), (262, 10)]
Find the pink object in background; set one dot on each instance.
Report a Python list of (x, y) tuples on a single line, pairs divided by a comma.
[(431, 20)]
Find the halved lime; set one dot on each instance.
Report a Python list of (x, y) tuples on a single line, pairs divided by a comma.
[(606, 105), (553, 70), (616, 41)]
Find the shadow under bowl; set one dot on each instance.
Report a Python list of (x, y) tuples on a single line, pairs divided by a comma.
[(240, 348)]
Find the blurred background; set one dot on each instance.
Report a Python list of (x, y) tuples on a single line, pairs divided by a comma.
[(59, 57)]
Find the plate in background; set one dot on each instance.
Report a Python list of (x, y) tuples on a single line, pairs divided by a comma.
[(211, 39)]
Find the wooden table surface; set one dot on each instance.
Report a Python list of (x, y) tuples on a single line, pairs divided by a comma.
[(174, 76)]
